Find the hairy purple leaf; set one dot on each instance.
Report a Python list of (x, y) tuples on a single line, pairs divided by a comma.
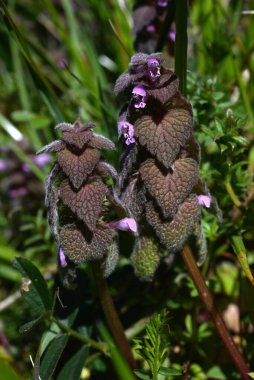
[(169, 190), (79, 247), (101, 142), (55, 146), (76, 134), (104, 167), (174, 233), (87, 202), (134, 199), (111, 260), (77, 167), (165, 138), (127, 162)]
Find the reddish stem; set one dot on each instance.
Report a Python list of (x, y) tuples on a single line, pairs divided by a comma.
[(208, 301), (112, 318)]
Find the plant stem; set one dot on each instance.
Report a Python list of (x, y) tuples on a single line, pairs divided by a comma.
[(232, 194), (181, 44), (112, 317), (90, 342), (219, 324)]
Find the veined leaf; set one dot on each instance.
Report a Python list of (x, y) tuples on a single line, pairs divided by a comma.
[(36, 294), (52, 355)]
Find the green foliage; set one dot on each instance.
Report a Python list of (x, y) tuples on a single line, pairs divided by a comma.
[(154, 348), (34, 290)]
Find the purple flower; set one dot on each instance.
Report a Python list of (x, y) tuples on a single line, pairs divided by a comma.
[(62, 64), (150, 28), (127, 130), (172, 36), (139, 95), (62, 258), (42, 160), (125, 224), (3, 165), (18, 193), (204, 200), (153, 67), (162, 3), (26, 168)]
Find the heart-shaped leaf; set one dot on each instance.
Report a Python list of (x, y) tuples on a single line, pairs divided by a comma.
[(81, 247), (166, 88), (87, 202), (76, 134), (169, 190), (164, 138), (174, 233), (77, 167)]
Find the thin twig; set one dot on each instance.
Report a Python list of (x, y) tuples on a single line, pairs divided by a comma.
[(208, 301)]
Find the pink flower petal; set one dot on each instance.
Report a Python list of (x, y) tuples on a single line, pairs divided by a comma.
[(62, 258), (139, 90), (204, 200), (18, 192), (42, 160), (125, 224), (3, 165)]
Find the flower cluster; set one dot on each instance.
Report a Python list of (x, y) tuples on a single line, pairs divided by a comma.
[(159, 179), (148, 19), (78, 199)]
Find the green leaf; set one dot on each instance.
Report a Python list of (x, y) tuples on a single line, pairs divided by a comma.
[(7, 272), (169, 372), (240, 251), (7, 372), (119, 363), (72, 369), (251, 374), (30, 325), (37, 296), (216, 373), (7, 253), (52, 355), (141, 374)]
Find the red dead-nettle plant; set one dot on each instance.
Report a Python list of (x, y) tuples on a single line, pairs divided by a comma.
[(159, 179), (80, 203)]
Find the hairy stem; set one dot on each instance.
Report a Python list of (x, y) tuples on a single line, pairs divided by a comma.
[(112, 317), (181, 44), (219, 324)]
